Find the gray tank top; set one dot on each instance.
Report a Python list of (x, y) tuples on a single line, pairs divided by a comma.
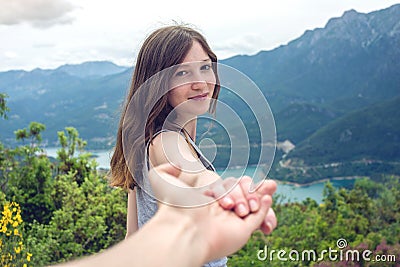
[(147, 205)]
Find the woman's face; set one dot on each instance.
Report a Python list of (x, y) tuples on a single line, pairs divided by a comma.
[(192, 83)]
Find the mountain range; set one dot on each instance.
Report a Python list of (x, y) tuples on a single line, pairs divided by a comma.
[(334, 92)]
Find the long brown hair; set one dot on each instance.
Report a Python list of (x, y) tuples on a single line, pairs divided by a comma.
[(162, 49)]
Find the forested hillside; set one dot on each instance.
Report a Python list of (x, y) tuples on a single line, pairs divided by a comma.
[(358, 227)]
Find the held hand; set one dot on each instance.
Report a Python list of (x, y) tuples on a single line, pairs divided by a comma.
[(235, 194), (220, 231)]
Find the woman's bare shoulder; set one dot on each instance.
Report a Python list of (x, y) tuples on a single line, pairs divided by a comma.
[(168, 146)]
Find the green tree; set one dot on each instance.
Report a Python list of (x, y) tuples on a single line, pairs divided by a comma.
[(5, 158), (92, 217), (89, 215), (3, 106), (82, 164), (30, 181)]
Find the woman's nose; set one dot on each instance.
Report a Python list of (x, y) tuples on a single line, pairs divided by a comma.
[(199, 81), (196, 85)]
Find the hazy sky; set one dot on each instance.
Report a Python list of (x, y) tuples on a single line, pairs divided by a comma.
[(49, 33)]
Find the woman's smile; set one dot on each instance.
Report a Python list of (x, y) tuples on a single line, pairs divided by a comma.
[(200, 97)]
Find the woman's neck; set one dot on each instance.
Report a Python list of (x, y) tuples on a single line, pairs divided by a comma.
[(190, 128), (188, 124)]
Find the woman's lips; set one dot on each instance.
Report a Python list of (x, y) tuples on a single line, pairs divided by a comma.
[(199, 97)]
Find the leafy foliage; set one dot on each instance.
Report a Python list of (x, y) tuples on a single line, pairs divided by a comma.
[(68, 207), (367, 217), (3, 106)]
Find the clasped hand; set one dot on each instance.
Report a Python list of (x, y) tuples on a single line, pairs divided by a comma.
[(229, 213)]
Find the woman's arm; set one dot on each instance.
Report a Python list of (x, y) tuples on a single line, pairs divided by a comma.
[(171, 147), (131, 215)]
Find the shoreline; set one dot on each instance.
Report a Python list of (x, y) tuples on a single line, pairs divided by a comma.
[(296, 184), (342, 178)]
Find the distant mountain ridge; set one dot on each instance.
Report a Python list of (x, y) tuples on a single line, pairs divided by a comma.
[(71, 95), (316, 82), (92, 69), (352, 57)]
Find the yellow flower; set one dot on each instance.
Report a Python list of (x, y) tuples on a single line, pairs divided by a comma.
[(28, 256), (17, 250), (24, 265), (16, 232)]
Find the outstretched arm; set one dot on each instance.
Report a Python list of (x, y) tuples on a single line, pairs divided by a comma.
[(171, 148), (184, 236)]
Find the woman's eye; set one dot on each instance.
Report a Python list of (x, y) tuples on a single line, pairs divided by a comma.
[(206, 67), (181, 73)]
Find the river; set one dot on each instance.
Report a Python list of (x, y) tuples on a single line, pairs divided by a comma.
[(287, 192)]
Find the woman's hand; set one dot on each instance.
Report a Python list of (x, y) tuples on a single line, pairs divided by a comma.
[(235, 194), (218, 230)]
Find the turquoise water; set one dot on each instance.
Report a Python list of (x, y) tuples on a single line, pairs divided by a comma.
[(288, 193), (102, 157)]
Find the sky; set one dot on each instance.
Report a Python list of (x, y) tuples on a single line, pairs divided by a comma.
[(49, 33)]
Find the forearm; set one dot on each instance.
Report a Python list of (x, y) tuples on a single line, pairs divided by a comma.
[(169, 239), (199, 179), (176, 242)]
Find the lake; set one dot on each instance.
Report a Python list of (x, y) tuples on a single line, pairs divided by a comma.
[(289, 193)]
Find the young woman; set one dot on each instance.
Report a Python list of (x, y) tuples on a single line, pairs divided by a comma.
[(175, 80)]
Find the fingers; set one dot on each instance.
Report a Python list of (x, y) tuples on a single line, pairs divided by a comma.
[(220, 191), (244, 200), (268, 187), (253, 198), (237, 198), (269, 223), (235, 194), (241, 204), (256, 219)]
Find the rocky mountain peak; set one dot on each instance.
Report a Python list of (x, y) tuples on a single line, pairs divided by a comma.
[(355, 28)]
